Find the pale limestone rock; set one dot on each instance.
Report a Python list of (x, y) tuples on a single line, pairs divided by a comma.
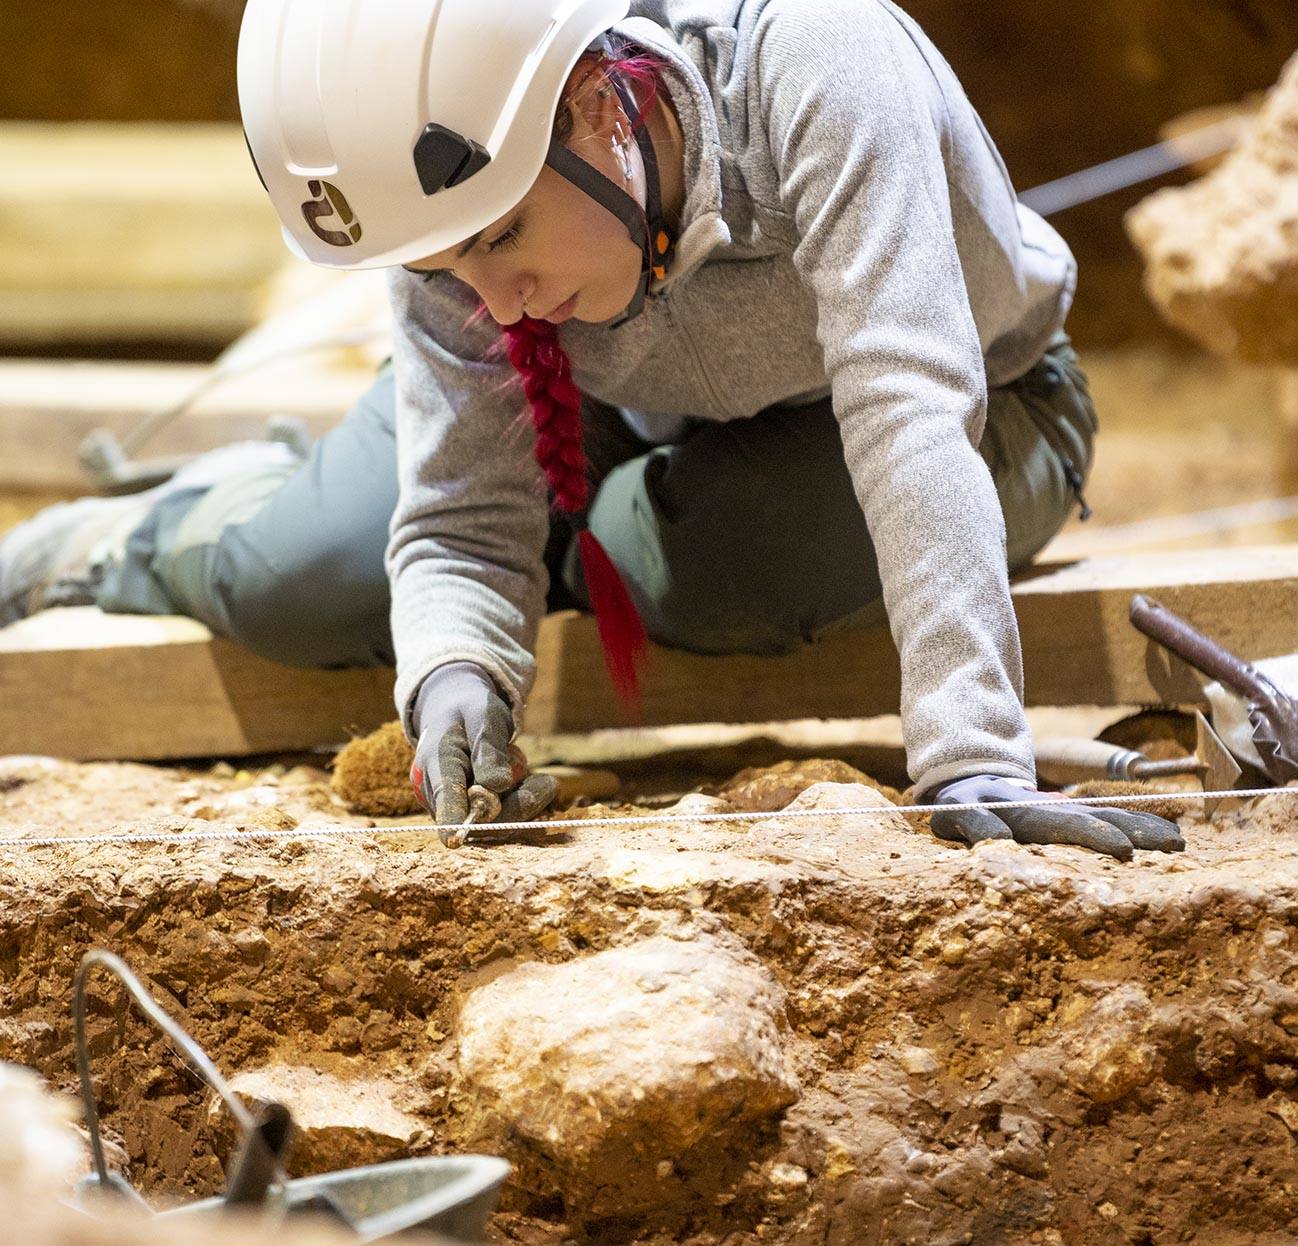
[(41, 1155), (838, 839), (917, 1061), (664, 872), (341, 1122), (1222, 253), (695, 804), (623, 1065), (1114, 1050)]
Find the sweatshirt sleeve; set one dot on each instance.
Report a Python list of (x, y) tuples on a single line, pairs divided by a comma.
[(855, 120), (465, 551)]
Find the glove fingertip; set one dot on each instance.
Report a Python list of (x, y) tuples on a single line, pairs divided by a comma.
[(536, 793), (971, 826), (1157, 841), (451, 807), (1146, 831)]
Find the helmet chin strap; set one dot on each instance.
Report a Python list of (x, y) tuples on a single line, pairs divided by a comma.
[(646, 225)]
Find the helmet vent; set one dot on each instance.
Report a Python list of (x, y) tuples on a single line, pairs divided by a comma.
[(444, 158)]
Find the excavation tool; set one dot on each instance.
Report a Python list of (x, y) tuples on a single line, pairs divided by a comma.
[(484, 806), (452, 1195), (1063, 761), (1272, 714)]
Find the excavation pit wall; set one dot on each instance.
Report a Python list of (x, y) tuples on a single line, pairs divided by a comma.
[(829, 1030)]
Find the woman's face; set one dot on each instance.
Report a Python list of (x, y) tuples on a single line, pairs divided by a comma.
[(558, 254)]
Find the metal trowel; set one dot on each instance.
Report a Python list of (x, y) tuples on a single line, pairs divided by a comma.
[(448, 1194)]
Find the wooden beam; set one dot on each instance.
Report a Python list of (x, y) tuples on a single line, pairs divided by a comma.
[(47, 407), (127, 231), (1078, 648), (80, 684)]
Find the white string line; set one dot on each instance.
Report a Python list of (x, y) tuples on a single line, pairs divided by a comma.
[(503, 829)]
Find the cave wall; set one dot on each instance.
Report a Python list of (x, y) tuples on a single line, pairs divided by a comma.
[(1063, 86), (1060, 86)]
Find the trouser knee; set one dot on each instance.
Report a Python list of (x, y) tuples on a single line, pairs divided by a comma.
[(301, 579), (322, 610), (745, 538)]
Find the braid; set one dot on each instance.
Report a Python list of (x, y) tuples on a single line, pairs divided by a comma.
[(534, 350), (555, 402)]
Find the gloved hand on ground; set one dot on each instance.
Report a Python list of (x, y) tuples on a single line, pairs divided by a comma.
[(1116, 832), (464, 732)]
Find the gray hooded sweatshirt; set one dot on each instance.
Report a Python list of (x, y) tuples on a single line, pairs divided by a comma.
[(849, 231)]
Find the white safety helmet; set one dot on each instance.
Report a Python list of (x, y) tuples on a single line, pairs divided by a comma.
[(387, 130)]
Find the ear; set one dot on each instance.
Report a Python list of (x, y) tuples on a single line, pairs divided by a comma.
[(590, 97)]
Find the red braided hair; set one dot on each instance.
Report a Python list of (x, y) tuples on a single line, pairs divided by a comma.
[(534, 350), (555, 402)]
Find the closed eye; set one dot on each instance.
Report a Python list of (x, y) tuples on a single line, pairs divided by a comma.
[(509, 239)]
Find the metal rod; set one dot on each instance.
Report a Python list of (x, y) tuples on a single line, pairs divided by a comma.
[(99, 958), (1110, 176), (1148, 768), (260, 1161)]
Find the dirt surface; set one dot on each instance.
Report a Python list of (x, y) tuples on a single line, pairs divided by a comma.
[(1010, 1044)]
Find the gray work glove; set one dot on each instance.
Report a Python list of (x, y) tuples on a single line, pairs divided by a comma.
[(464, 757), (1116, 832)]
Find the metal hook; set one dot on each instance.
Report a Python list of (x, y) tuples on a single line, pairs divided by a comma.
[(154, 1012)]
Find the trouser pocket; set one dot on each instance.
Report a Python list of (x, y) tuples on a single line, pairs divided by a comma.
[(1039, 445), (1057, 398)]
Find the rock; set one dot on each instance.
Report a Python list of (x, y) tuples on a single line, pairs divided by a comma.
[(341, 1122), (30, 765), (251, 808), (612, 1065), (767, 789), (1115, 1053), (917, 1061), (41, 1155), (831, 841), (695, 803), (1222, 253), (272, 818)]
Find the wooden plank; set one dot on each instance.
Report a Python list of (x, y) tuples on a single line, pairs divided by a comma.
[(1078, 648), (114, 232), (48, 406), (80, 684)]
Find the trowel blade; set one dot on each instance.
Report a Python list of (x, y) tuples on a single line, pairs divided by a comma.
[(1219, 768)]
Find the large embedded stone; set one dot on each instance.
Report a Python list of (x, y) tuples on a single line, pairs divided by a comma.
[(628, 1067), (340, 1122)]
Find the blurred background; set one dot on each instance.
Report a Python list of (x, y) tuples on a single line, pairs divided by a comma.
[(137, 246)]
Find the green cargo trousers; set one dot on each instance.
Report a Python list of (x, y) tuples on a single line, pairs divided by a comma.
[(743, 537)]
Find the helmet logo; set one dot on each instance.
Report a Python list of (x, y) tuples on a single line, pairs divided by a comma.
[(330, 202)]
